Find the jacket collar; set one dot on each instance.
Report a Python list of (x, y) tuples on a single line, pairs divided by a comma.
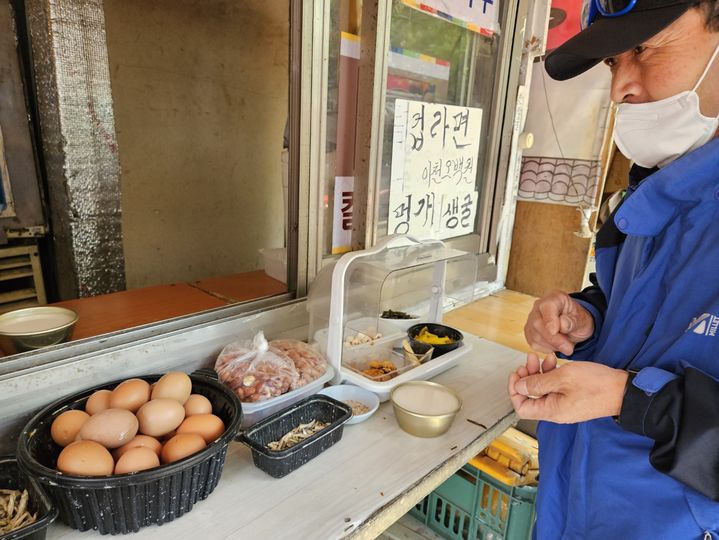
[(657, 200)]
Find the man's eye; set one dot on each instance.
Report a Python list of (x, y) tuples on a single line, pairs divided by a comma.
[(639, 49), (610, 62)]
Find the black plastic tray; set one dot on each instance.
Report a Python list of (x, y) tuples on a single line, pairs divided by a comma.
[(11, 477), (125, 503), (283, 462)]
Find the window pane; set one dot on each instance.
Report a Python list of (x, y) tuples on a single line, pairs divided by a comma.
[(435, 61)]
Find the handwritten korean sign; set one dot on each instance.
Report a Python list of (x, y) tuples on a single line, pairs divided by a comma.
[(433, 191)]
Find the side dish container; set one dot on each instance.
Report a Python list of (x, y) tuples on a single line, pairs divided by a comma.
[(11, 477), (281, 463), (255, 412), (346, 300)]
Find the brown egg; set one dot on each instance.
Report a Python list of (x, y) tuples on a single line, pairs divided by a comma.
[(98, 401), (85, 458), (111, 428), (158, 417), (139, 441), (67, 425), (181, 446), (137, 459), (207, 425), (197, 404), (173, 385), (130, 394)]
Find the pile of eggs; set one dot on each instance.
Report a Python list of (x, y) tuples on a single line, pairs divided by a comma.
[(135, 427)]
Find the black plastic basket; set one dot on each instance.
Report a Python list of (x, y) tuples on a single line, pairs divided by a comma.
[(281, 463), (11, 477), (125, 503)]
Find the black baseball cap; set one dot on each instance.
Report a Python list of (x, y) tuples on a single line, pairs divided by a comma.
[(609, 36)]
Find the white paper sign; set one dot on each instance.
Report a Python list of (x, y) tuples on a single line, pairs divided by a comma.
[(433, 191), (473, 14), (342, 218)]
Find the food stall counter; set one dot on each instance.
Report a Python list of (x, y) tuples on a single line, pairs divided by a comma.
[(364, 483)]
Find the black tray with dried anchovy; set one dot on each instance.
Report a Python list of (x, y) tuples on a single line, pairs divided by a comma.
[(14, 510), (311, 426), (25, 509)]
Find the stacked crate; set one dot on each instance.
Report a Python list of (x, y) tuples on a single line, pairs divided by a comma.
[(491, 498), (21, 283)]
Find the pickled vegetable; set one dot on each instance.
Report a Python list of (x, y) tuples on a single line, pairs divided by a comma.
[(425, 336)]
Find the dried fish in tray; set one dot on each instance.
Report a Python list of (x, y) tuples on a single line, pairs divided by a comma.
[(14, 512), (297, 435)]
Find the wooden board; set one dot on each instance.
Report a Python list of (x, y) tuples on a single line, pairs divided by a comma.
[(546, 254), (242, 287), (499, 318), (358, 487), (135, 307), (618, 173), (126, 309)]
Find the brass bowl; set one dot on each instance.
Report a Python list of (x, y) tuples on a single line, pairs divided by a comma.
[(422, 424), (36, 327)]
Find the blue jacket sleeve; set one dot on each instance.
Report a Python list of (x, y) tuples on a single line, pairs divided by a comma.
[(681, 414), (593, 300)]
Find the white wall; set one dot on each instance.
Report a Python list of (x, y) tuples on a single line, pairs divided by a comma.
[(576, 109), (200, 92)]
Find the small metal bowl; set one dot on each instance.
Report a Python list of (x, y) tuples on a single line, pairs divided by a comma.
[(33, 328), (418, 422)]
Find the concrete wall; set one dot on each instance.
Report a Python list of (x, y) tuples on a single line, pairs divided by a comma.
[(200, 92)]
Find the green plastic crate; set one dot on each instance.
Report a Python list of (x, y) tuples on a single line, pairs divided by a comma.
[(471, 505)]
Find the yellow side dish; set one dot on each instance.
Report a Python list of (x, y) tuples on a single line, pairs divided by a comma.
[(425, 336)]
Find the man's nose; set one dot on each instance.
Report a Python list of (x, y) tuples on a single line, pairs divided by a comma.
[(626, 83)]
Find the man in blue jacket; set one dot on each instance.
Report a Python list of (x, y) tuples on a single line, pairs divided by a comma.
[(629, 445)]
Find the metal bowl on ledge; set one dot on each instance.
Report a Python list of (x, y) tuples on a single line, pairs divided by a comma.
[(36, 327)]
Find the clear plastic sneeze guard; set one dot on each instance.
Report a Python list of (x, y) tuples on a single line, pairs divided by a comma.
[(422, 279)]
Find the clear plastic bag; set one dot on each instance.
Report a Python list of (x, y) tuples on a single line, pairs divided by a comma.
[(254, 371), (310, 364)]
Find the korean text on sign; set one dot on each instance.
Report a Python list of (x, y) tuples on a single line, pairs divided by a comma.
[(434, 168)]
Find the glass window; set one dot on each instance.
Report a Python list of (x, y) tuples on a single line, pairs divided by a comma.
[(436, 62), (197, 104), (429, 61)]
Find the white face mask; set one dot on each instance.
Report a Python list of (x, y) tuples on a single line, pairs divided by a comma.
[(656, 133)]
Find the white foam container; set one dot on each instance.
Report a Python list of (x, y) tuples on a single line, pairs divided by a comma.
[(389, 333), (422, 372), (400, 324), (254, 412)]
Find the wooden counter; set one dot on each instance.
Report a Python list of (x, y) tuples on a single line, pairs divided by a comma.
[(373, 475), (135, 307)]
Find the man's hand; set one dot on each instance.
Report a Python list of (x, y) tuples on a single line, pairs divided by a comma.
[(557, 323), (575, 392)]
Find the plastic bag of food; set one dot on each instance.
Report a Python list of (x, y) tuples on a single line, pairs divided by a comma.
[(254, 371), (310, 364)]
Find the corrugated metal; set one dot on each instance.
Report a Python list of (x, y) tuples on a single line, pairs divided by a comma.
[(79, 144)]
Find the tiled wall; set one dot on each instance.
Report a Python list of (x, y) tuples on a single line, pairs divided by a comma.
[(562, 181)]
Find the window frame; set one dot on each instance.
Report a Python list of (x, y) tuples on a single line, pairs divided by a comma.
[(483, 242)]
